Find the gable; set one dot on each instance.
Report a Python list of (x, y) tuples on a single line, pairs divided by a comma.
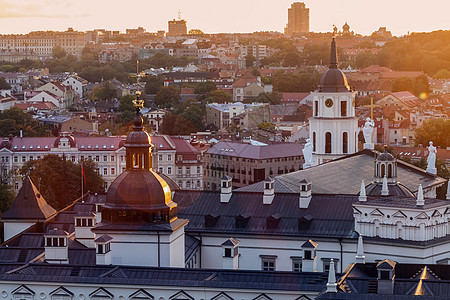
[(61, 291), (141, 294), (422, 216), (101, 293), (222, 296), (436, 213), (399, 214), (181, 295), (23, 290), (262, 297), (376, 212)]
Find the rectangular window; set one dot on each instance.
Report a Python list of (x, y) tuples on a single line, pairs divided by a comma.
[(16, 159), (268, 264), (105, 158), (113, 171), (169, 157), (296, 265), (97, 158), (160, 157), (105, 171), (308, 254), (169, 170), (112, 157), (161, 170), (343, 108), (180, 171), (188, 171), (316, 108), (227, 252)]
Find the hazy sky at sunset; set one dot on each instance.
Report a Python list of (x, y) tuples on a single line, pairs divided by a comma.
[(211, 16)]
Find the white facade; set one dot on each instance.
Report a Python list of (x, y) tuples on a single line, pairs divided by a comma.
[(76, 83), (333, 127)]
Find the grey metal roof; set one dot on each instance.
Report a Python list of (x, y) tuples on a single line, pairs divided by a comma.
[(344, 175), (246, 150), (148, 276), (332, 215)]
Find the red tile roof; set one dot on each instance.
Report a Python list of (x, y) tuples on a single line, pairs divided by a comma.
[(293, 97), (408, 98)]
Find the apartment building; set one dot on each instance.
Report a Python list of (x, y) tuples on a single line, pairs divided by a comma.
[(39, 44)]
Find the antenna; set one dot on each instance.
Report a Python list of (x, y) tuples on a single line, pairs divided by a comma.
[(138, 76), (179, 14)]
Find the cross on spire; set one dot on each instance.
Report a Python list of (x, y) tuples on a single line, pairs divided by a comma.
[(371, 107)]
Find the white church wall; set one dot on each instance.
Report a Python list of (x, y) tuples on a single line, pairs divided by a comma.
[(177, 248), (12, 228)]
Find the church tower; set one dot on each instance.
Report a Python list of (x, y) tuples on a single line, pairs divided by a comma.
[(333, 129)]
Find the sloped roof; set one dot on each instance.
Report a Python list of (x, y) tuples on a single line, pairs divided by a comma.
[(29, 204), (245, 150), (328, 178)]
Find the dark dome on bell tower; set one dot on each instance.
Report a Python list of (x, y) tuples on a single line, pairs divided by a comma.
[(333, 80), (139, 194)]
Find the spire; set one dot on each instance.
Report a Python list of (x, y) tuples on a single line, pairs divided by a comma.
[(360, 258), (420, 201), (29, 204), (362, 193), (331, 285), (333, 54), (384, 189)]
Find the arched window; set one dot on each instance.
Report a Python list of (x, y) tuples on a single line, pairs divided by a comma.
[(314, 141), (389, 171), (383, 170), (328, 142), (345, 142)]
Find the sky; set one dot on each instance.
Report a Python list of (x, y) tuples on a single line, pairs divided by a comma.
[(213, 16)]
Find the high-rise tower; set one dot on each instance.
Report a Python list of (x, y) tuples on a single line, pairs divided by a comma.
[(298, 19)]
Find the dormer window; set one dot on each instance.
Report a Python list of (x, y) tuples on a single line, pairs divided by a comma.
[(55, 242), (103, 248)]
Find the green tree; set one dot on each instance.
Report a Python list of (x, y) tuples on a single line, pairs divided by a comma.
[(60, 179), (366, 59), (15, 119), (167, 97), (416, 85), (4, 85), (6, 190), (176, 125), (153, 84), (194, 114), (219, 96), (204, 89), (58, 52), (249, 60), (435, 130), (292, 59), (266, 126), (126, 108), (103, 92)]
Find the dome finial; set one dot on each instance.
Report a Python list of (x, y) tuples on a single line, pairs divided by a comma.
[(138, 105)]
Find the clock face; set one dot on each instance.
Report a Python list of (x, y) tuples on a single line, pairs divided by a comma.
[(329, 103)]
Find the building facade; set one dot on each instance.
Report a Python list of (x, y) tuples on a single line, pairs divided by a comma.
[(177, 28), (298, 19), (248, 163)]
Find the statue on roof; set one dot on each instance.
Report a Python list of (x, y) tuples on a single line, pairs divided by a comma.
[(431, 160), (367, 130), (307, 154)]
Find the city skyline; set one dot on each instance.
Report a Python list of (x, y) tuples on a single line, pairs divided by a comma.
[(400, 17)]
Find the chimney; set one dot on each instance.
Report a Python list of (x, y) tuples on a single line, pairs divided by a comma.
[(98, 212), (384, 188), (305, 193), (420, 201), (362, 193), (56, 248), (230, 252), (269, 190), (103, 250), (84, 222), (386, 276), (226, 187), (309, 261), (331, 284), (360, 258)]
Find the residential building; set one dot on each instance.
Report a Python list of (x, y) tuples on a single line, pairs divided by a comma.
[(154, 117), (39, 44), (77, 84), (247, 86), (248, 163), (403, 100), (177, 28), (64, 92), (298, 19), (221, 115)]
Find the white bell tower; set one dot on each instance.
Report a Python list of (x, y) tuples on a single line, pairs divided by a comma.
[(333, 128)]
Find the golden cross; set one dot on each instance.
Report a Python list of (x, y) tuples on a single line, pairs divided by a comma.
[(138, 75), (371, 107)]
